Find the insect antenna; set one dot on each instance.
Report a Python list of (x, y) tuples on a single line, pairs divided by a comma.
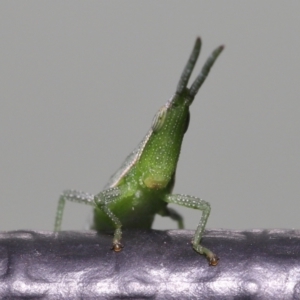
[(204, 72), (185, 76)]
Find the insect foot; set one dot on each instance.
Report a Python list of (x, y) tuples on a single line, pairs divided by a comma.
[(212, 258), (213, 261), (117, 247)]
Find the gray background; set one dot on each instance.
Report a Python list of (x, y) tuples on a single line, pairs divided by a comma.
[(81, 81)]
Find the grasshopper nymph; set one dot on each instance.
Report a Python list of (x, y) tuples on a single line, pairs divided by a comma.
[(142, 187)]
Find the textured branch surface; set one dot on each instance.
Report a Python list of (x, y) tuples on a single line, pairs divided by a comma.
[(257, 264)]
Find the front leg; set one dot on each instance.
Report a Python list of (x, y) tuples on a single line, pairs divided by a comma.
[(204, 206), (74, 196), (100, 201)]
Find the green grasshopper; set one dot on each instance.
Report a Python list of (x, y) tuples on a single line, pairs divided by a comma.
[(143, 185)]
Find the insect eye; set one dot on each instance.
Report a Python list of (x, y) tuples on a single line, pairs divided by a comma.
[(159, 119)]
